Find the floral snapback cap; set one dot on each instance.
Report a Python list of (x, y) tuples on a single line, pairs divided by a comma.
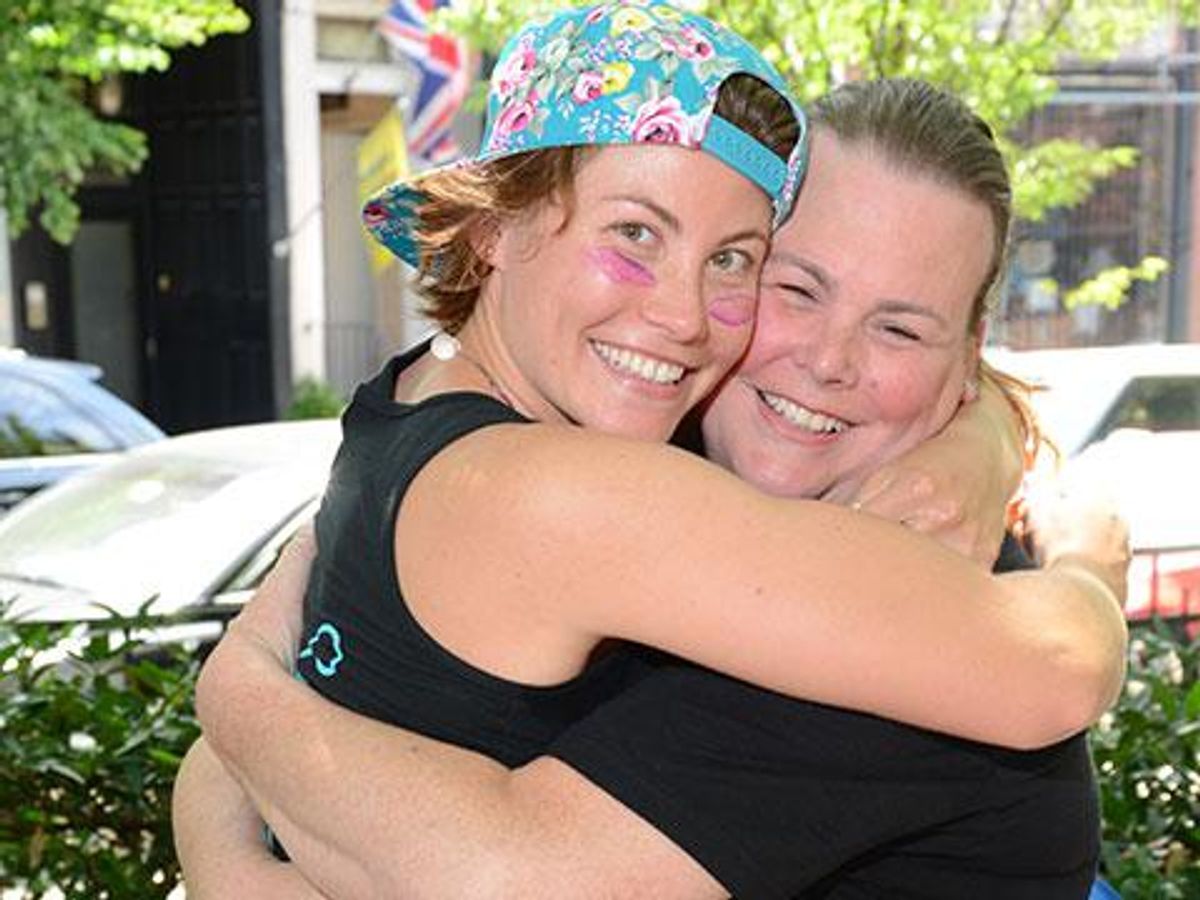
[(620, 72)]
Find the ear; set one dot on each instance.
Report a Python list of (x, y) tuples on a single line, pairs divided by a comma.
[(485, 236), (970, 391)]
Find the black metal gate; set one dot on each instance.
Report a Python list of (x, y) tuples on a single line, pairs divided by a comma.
[(199, 319), (213, 291)]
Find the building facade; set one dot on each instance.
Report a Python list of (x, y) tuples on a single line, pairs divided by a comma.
[(233, 265)]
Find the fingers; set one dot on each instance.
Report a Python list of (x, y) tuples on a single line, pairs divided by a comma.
[(898, 495), (917, 501), (1082, 525), (973, 539), (914, 500)]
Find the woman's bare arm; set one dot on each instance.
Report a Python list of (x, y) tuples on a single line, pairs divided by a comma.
[(218, 838), (372, 811), (412, 818), (482, 830), (487, 815), (955, 486), (575, 537)]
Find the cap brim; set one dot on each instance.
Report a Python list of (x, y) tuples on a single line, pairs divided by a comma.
[(391, 214)]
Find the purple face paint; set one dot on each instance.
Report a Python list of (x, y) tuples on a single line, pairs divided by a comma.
[(733, 310), (620, 268)]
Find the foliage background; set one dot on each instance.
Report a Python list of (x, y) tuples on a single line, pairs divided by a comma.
[(88, 753), (1147, 755), (998, 55), (89, 748), (50, 52), (313, 399)]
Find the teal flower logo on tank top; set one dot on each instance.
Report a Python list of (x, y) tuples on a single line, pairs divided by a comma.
[(324, 648)]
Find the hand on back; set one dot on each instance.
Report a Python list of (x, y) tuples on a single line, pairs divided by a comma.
[(1069, 522)]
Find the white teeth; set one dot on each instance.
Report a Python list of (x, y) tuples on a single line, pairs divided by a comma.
[(801, 417), (644, 367)]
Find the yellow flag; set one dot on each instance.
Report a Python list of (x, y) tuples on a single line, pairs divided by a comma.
[(382, 159)]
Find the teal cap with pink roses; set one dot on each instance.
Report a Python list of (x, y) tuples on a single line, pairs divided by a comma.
[(621, 72)]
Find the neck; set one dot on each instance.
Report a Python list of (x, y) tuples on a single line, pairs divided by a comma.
[(482, 348), (457, 366)]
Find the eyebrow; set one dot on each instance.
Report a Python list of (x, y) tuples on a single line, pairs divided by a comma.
[(746, 235), (672, 221), (668, 218), (827, 281), (822, 277)]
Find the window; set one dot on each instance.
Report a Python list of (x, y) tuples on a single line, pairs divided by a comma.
[(38, 420), (1168, 403)]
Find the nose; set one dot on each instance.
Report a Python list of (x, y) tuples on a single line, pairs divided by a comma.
[(832, 352), (677, 306)]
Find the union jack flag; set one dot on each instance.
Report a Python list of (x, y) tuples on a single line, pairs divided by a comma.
[(444, 77)]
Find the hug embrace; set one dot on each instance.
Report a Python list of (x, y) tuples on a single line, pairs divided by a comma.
[(541, 649)]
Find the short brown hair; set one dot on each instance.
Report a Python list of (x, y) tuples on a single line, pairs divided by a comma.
[(458, 203)]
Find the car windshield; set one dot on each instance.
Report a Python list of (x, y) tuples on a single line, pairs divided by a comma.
[(1090, 392), (38, 420), (1070, 411), (136, 528)]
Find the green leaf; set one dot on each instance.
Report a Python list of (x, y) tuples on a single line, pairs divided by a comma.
[(97, 819), (60, 768), (49, 137), (1110, 287)]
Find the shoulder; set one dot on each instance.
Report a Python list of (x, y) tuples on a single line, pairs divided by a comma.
[(546, 470), (546, 515)]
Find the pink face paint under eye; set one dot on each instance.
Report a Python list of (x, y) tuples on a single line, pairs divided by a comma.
[(733, 310), (618, 267)]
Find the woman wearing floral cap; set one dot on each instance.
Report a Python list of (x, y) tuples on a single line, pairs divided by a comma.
[(607, 278), (689, 559)]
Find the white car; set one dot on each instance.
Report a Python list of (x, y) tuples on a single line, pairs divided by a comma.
[(1152, 478), (186, 525), (1127, 421), (1090, 392)]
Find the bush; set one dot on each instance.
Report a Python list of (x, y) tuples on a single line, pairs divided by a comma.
[(312, 399), (89, 747), (1147, 754)]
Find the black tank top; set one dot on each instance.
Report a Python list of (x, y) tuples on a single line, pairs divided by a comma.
[(362, 647)]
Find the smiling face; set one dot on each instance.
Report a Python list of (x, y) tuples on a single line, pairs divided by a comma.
[(624, 313), (863, 343)]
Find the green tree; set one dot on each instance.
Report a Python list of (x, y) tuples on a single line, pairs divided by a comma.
[(999, 55), (50, 51)]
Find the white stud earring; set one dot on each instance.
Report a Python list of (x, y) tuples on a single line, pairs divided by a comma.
[(444, 346)]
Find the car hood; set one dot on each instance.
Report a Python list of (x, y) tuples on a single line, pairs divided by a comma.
[(170, 522), (43, 601)]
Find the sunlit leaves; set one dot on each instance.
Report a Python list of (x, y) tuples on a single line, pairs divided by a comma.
[(49, 136), (89, 748), (999, 56), (1109, 288), (1061, 173)]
